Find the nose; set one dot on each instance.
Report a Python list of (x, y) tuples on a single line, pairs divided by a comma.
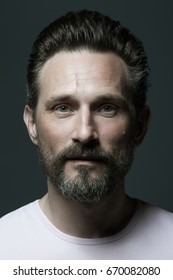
[(85, 129)]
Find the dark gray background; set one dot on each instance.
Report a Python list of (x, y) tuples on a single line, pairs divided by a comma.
[(151, 178)]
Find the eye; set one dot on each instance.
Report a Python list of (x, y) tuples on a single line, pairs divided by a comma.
[(62, 108), (109, 110)]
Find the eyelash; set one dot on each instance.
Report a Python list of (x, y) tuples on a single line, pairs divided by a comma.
[(61, 106), (114, 109)]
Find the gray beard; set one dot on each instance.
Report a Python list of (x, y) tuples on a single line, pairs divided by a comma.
[(83, 187)]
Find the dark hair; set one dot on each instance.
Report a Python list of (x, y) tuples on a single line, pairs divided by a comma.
[(93, 31)]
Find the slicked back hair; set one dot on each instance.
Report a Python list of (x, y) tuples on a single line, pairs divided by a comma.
[(93, 31)]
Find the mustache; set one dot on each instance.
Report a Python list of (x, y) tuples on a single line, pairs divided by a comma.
[(84, 151)]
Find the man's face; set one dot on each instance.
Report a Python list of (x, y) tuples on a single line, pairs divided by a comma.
[(84, 126)]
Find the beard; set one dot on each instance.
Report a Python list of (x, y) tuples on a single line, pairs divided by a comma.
[(85, 188)]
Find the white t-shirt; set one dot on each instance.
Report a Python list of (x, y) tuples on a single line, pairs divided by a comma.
[(26, 233)]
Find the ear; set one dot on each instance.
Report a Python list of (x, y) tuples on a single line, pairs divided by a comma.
[(142, 125), (30, 124)]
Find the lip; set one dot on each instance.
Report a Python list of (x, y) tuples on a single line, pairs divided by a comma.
[(85, 160)]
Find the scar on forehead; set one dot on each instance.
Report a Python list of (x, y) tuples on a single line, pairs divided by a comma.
[(76, 79), (79, 77)]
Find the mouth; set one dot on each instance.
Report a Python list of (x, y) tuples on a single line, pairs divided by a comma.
[(85, 160)]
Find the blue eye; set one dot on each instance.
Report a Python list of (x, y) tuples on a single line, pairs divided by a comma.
[(62, 108), (109, 110)]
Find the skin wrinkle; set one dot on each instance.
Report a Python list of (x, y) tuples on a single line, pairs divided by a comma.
[(78, 78), (77, 82), (81, 75), (86, 122)]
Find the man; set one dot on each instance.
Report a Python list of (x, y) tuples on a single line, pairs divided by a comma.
[(87, 112)]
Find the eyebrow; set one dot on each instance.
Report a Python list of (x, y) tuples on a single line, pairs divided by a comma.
[(107, 97), (56, 99)]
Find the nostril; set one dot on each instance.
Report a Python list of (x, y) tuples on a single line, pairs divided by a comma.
[(85, 130), (85, 136)]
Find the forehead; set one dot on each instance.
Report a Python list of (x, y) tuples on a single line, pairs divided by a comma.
[(82, 72)]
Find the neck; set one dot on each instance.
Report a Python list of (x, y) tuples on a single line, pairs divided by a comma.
[(96, 220)]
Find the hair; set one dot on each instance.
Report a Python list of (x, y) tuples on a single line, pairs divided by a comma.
[(93, 31)]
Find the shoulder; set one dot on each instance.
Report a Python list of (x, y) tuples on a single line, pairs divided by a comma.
[(17, 217), (156, 211), (18, 230), (156, 218)]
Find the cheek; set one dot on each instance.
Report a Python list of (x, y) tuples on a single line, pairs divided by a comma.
[(52, 135), (115, 134)]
